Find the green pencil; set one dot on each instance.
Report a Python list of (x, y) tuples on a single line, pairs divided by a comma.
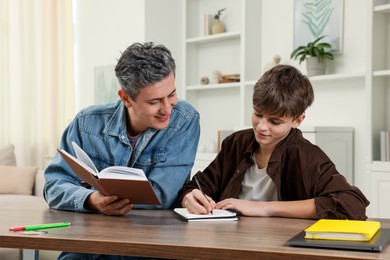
[(41, 226)]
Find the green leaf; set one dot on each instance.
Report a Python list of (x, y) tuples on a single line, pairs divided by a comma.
[(315, 48)]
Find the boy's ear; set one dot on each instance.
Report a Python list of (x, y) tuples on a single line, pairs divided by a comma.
[(299, 120)]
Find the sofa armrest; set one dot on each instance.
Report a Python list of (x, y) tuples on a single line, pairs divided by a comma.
[(39, 183)]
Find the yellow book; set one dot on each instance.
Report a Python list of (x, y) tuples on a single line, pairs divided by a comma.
[(335, 229)]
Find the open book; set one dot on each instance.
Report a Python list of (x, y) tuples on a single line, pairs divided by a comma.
[(125, 182), (217, 215)]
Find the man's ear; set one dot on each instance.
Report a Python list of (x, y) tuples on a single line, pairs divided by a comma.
[(125, 98), (299, 120)]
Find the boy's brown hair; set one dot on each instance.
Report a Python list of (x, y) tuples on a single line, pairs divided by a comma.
[(283, 91)]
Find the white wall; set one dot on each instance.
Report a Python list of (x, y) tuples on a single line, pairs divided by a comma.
[(277, 30), (163, 23), (103, 29)]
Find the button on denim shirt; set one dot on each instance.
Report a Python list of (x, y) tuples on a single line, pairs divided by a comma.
[(166, 155)]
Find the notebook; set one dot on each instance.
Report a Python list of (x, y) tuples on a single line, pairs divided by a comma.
[(376, 244), (343, 229), (217, 215)]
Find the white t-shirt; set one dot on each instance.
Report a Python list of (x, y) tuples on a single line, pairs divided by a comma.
[(257, 185)]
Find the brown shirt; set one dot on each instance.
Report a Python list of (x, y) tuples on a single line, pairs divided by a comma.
[(299, 169)]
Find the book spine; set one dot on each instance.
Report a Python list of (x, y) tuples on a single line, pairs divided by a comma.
[(388, 146), (384, 145)]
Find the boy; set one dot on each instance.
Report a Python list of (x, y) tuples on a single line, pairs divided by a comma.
[(271, 170)]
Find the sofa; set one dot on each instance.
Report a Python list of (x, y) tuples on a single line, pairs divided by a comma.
[(20, 184)]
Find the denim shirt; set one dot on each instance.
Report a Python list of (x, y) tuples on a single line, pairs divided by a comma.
[(166, 155)]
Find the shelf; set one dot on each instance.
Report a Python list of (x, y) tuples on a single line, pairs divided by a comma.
[(341, 76), (205, 156), (380, 166), (250, 83), (327, 77), (385, 8), (378, 73), (214, 38), (214, 86)]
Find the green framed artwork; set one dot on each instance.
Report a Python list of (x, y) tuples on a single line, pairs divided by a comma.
[(106, 84), (314, 18)]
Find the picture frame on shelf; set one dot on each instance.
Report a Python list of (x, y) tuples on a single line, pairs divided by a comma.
[(106, 84), (314, 18)]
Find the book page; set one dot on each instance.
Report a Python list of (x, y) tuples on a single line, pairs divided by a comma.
[(122, 172), (82, 156), (112, 172), (336, 236), (217, 215)]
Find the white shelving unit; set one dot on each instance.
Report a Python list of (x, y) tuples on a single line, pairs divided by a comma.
[(378, 90), (380, 189), (236, 51), (239, 51)]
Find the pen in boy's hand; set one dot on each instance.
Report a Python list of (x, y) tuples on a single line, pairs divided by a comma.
[(200, 188)]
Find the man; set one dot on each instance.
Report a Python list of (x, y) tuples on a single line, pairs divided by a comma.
[(148, 128)]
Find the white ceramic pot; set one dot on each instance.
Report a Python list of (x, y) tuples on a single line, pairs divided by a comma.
[(313, 67)]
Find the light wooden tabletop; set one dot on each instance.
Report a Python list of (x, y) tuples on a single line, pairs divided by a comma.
[(161, 233)]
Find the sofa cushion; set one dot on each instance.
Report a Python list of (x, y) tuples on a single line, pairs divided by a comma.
[(7, 155), (17, 180)]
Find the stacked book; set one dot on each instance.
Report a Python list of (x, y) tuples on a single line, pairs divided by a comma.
[(205, 26), (385, 145), (229, 78)]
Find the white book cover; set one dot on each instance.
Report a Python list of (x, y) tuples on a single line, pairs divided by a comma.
[(384, 145), (387, 146), (206, 21)]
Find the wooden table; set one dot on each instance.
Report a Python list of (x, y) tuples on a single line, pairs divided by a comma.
[(160, 233)]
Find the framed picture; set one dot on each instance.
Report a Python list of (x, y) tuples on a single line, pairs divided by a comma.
[(106, 84), (315, 18)]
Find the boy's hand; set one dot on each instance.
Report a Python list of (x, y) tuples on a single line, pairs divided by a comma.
[(108, 205), (198, 203), (245, 207), (290, 209)]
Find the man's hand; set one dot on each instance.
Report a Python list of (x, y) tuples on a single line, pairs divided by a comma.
[(108, 205)]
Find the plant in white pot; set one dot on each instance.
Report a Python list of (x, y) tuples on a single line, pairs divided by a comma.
[(315, 53)]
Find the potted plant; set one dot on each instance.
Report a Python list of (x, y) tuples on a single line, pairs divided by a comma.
[(218, 26), (315, 53)]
